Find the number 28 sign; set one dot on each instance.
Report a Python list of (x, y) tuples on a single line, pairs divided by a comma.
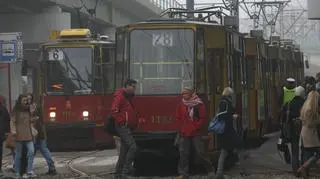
[(162, 38)]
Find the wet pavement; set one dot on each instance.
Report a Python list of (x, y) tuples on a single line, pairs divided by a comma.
[(264, 162)]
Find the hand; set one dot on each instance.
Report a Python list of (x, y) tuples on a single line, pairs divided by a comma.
[(235, 116)]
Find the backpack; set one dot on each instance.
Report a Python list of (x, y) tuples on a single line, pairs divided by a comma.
[(110, 121)]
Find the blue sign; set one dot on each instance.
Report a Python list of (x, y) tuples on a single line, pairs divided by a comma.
[(8, 52)]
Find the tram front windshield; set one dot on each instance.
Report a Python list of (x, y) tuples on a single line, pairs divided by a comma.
[(161, 60), (68, 70)]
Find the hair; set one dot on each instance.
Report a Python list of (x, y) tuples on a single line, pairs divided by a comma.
[(228, 91), (300, 91), (129, 82), (188, 89), (18, 106), (309, 110)]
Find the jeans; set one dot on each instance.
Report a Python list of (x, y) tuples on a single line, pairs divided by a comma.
[(127, 152), (30, 155), (42, 146), (184, 149), (222, 158)]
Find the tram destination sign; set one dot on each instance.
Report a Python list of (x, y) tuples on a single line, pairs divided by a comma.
[(11, 47)]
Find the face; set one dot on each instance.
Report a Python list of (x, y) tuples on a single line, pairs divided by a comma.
[(131, 89), (29, 98), (24, 102), (186, 95), (290, 84)]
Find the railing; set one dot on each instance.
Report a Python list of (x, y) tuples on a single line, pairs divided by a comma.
[(165, 4)]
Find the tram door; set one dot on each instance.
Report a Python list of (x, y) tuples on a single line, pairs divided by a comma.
[(216, 65), (237, 52)]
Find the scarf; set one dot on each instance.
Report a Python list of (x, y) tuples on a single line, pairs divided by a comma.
[(193, 101)]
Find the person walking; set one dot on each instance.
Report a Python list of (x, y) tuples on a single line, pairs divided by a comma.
[(125, 116), (309, 136), (4, 126), (40, 142), (229, 139), (191, 113), (292, 125), (22, 128)]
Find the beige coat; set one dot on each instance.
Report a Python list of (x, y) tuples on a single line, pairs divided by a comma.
[(22, 125), (309, 136)]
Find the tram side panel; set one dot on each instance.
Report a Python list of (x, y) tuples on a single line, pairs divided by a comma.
[(215, 45), (251, 70)]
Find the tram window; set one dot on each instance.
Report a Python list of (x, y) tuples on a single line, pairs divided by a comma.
[(200, 63), (211, 72), (162, 60), (108, 68), (108, 55), (120, 45), (231, 71)]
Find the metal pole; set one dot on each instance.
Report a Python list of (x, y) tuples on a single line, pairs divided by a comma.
[(235, 12), (190, 7)]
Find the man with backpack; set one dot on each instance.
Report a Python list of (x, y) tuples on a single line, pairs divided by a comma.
[(125, 121), (292, 125)]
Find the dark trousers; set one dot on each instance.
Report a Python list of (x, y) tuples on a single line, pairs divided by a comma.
[(1, 153), (295, 154), (307, 153), (184, 148), (128, 150)]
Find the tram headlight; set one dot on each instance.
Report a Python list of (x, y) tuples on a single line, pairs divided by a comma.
[(85, 115), (52, 116)]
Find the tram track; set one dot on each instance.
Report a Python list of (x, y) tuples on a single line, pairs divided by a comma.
[(75, 172)]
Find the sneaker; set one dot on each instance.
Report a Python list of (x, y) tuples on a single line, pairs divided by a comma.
[(29, 175), (17, 175), (52, 171)]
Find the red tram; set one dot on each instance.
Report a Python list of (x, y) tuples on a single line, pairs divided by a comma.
[(166, 55), (76, 86)]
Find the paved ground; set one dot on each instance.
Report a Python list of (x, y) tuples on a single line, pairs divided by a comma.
[(262, 163)]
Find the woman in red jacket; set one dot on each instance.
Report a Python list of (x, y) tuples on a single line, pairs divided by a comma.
[(191, 112)]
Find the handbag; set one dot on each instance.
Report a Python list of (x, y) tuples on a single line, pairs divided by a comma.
[(110, 126), (10, 142), (216, 125)]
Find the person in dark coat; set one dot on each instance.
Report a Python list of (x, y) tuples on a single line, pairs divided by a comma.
[(4, 126), (229, 140), (191, 113), (291, 122)]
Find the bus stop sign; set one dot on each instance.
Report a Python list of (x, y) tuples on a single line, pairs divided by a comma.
[(11, 47)]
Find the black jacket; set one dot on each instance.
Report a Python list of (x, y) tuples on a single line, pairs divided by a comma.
[(229, 139), (288, 127), (4, 121)]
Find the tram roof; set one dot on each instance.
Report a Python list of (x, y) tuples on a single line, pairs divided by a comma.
[(78, 41), (180, 22)]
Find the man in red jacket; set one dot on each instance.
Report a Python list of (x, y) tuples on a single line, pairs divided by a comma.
[(126, 121), (191, 113)]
